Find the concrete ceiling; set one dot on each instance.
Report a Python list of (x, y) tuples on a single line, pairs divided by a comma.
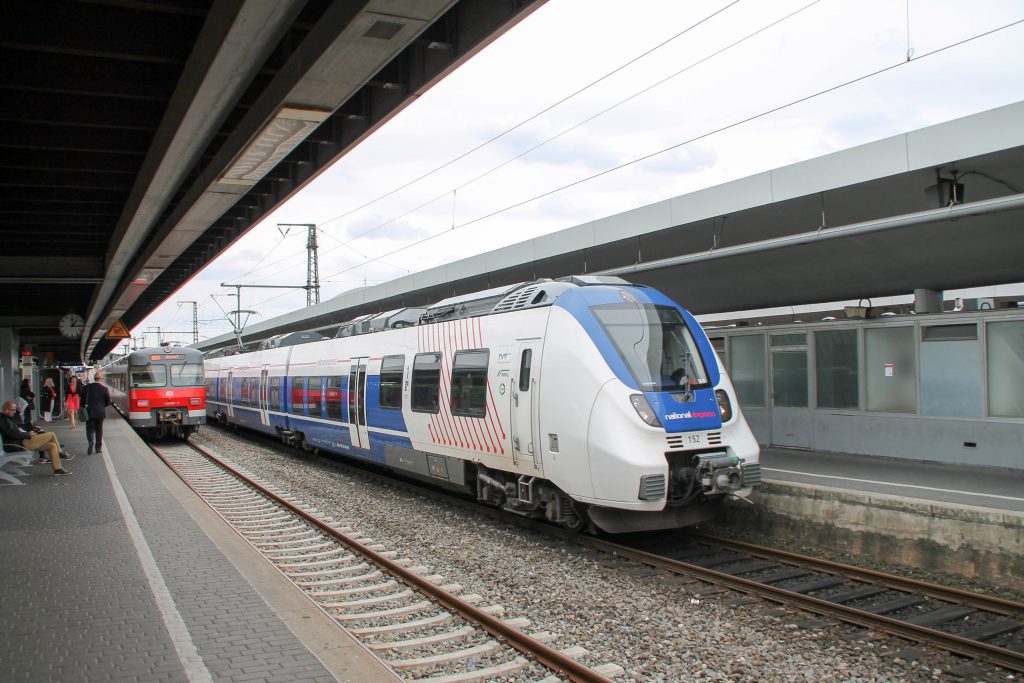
[(128, 131)]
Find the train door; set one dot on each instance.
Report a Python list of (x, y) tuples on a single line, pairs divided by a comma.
[(791, 413), (263, 393), (229, 394), (357, 403), (524, 385)]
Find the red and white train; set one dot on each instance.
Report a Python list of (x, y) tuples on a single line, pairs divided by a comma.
[(159, 390)]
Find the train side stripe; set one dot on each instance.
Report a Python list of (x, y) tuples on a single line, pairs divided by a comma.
[(449, 426)]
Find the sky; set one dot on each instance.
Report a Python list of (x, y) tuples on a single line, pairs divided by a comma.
[(586, 109)]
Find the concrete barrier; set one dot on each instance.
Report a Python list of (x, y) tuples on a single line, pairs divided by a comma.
[(972, 542)]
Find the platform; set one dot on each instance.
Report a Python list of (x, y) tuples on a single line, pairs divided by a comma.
[(119, 572)]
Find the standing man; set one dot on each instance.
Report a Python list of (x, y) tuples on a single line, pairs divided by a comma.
[(96, 398), (47, 441)]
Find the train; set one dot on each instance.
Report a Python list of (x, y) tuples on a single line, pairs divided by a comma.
[(588, 401), (159, 390)]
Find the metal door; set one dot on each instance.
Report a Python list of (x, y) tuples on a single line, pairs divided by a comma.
[(791, 415), (524, 384), (264, 391), (229, 394), (357, 403)]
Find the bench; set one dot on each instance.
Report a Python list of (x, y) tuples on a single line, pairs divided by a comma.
[(12, 459)]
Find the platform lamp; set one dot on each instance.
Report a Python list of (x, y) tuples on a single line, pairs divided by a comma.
[(283, 133)]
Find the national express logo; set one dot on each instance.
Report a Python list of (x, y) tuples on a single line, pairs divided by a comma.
[(689, 414)]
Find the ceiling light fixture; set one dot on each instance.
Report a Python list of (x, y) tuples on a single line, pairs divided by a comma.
[(283, 133)]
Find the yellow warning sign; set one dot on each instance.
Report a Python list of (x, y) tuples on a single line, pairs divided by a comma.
[(118, 331)]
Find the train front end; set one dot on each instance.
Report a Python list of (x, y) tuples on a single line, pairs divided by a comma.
[(665, 440), (166, 396)]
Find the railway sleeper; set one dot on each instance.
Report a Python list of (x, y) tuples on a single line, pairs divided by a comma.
[(942, 615), (992, 629), (487, 674)]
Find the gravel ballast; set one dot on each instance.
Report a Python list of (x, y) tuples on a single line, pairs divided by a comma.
[(656, 627)]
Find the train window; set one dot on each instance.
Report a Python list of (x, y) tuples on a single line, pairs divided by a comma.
[(243, 392), (298, 396), (469, 383), (275, 393), (334, 406), (391, 370), (313, 390), (524, 370), (655, 344), (148, 376), (426, 383), (187, 375), (254, 392)]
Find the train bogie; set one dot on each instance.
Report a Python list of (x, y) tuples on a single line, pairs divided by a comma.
[(591, 403)]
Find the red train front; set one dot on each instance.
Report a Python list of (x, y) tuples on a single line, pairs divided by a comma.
[(160, 390)]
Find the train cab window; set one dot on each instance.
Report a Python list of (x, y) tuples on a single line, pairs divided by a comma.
[(274, 393), (333, 399), (426, 383), (655, 344), (148, 376), (187, 375), (469, 383), (391, 370), (313, 390), (298, 396), (524, 369)]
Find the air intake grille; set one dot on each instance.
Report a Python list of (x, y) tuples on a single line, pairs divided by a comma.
[(677, 442), (751, 474), (652, 487), (515, 300)]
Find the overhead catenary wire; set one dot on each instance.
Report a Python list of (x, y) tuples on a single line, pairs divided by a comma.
[(691, 140)]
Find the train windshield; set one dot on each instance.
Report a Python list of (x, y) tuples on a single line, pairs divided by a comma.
[(187, 375), (147, 376), (656, 345)]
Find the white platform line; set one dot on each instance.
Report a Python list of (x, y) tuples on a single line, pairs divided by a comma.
[(889, 483), (189, 657)]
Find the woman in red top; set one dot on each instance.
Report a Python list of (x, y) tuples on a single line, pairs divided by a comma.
[(71, 401)]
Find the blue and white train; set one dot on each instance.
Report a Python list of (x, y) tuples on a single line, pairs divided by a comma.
[(587, 401)]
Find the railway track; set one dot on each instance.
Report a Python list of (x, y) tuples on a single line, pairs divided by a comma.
[(970, 624), (424, 628)]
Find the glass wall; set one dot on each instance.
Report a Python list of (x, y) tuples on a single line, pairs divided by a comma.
[(1006, 369), (747, 368), (837, 369), (890, 369)]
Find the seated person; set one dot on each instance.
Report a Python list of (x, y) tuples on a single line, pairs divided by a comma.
[(47, 441)]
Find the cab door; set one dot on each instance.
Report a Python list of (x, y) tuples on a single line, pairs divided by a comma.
[(357, 403), (525, 448)]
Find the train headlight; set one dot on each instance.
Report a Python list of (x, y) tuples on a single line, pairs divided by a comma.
[(643, 409), (142, 402), (724, 404), (195, 401)]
